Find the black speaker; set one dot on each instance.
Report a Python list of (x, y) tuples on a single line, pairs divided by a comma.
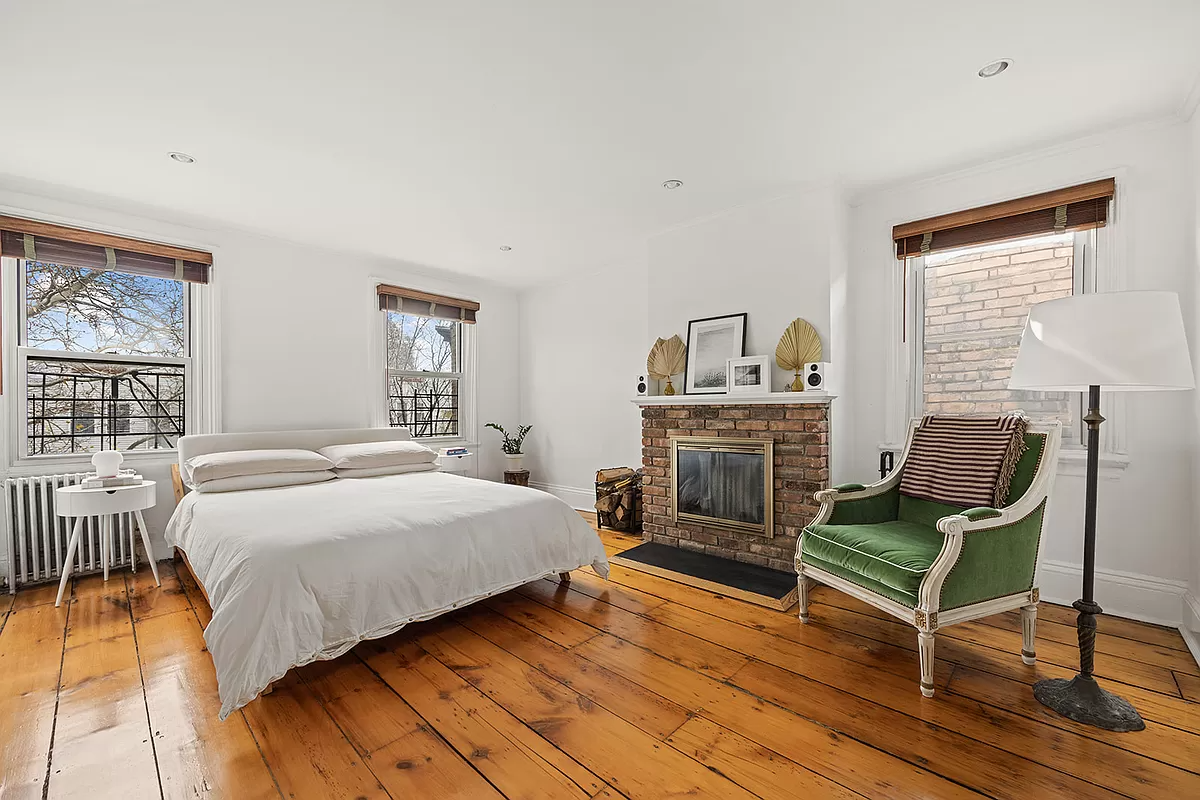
[(816, 375), (643, 387)]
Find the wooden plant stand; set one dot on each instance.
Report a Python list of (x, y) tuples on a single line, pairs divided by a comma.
[(517, 477)]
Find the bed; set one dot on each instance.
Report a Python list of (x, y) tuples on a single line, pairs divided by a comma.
[(303, 573)]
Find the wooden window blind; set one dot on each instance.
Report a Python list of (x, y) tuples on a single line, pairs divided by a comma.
[(1074, 208), (411, 301), (75, 247)]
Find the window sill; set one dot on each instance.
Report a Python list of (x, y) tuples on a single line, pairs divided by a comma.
[(1073, 462), (27, 466), (445, 441)]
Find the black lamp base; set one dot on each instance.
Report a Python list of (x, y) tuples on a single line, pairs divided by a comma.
[(1083, 700)]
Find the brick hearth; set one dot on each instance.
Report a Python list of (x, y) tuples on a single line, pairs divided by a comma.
[(801, 436)]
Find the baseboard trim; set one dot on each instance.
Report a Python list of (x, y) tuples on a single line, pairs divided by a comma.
[(1122, 594), (1190, 629), (1193, 644), (577, 498)]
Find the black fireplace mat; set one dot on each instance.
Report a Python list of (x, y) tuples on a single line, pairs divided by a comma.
[(746, 577)]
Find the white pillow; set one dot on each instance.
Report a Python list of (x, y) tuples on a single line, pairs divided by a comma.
[(369, 455), (269, 480), (371, 472), (232, 463)]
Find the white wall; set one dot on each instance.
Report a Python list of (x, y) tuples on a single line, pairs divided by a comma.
[(296, 326), (310, 313), (770, 260), (841, 341), (1147, 515), (585, 340), (583, 345), (1192, 606)]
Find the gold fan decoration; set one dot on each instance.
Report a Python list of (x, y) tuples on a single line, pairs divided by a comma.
[(668, 357), (798, 346)]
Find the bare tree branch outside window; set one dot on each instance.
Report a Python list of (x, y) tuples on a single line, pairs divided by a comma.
[(77, 405)]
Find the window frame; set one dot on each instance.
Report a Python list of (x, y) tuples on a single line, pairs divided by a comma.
[(200, 363), (468, 430), (1109, 273), (1084, 244)]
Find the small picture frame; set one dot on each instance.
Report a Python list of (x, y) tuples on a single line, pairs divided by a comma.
[(749, 375)]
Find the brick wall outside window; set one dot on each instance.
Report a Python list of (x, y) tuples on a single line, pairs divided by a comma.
[(976, 303)]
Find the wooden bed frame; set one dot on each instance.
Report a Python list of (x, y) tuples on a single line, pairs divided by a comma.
[(180, 491)]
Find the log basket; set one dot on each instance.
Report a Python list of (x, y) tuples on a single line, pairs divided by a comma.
[(619, 499)]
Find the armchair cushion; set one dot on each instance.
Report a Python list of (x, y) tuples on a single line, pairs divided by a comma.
[(903, 598), (896, 554)]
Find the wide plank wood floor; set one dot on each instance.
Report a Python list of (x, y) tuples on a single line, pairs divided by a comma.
[(635, 687)]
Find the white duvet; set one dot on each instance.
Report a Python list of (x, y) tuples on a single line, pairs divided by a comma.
[(301, 573)]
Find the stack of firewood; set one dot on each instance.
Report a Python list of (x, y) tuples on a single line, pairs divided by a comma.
[(619, 499)]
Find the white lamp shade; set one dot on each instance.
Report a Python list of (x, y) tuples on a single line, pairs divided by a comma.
[(1121, 341)]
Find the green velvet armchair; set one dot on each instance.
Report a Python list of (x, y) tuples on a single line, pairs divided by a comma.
[(931, 564)]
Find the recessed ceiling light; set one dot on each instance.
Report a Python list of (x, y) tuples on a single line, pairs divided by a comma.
[(182, 158), (505, 248), (672, 184), (995, 68)]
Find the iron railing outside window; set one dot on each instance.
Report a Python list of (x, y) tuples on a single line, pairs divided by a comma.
[(84, 404), (427, 404)]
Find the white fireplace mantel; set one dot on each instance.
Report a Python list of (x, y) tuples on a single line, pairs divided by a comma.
[(774, 398)]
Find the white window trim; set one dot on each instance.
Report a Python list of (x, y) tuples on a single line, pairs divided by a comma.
[(468, 422), (905, 353), (203, 390)]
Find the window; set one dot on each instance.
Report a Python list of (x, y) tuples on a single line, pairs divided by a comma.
[(103, 328), (424, 374), (972, 304), (968, 279), (105, 360), (427, 351)]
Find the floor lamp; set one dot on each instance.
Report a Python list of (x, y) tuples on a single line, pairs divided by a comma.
[(1123, 342)]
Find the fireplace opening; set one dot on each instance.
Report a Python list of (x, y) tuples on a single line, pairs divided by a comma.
[(723, 483)]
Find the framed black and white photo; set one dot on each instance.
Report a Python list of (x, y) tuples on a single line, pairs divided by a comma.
[(749, 375), (711, 343)]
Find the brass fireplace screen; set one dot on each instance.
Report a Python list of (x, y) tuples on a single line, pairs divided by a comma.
[(723, 483)]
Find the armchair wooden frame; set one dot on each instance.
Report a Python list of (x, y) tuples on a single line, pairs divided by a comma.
[(928, 616)]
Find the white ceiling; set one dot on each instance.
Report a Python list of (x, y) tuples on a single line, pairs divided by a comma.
[(435, 131)]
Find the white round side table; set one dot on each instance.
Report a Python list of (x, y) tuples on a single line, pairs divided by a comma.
[(75, 501)]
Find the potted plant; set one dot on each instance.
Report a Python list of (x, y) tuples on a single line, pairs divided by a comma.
[(512, 444)]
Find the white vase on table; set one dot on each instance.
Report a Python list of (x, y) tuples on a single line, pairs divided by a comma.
[(107, 463), (515, 460)]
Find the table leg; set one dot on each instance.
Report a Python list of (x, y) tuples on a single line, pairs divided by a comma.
[(72, 546), (146, 543), (106, 543), (132, 549)]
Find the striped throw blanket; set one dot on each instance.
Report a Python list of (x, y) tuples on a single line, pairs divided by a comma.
[(964, 461)]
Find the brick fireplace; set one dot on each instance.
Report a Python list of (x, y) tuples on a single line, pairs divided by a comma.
[(798, 427)]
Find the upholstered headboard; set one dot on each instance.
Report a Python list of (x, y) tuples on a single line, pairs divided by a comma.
[(202, 444)]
